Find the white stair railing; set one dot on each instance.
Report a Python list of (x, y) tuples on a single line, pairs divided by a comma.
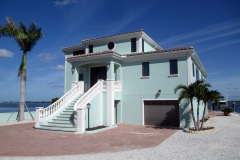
[(57, 106), (89, 95)]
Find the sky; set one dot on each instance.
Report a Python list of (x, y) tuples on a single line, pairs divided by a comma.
[(212, 27)]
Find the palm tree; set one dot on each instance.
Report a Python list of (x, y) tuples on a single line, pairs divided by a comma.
[(187, 92), (213, 95), (26, 38), (199, 87)]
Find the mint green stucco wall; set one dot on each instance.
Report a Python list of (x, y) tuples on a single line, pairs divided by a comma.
[(135, 89), (121, 47), (148, 47)]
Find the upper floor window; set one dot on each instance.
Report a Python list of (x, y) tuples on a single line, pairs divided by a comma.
[(193, 69), (173, 66), (142, 45), (78, 52), (90, 48), (145, 69), (111, 45), (133, 44), (197, 74)]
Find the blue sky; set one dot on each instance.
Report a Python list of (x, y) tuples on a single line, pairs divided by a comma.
[(211, 26)]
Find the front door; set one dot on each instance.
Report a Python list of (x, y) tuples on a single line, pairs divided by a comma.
[(98, 73)]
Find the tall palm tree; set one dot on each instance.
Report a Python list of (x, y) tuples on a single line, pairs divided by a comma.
[(199, 87), (26, 38), (187, 92), (213, 95)]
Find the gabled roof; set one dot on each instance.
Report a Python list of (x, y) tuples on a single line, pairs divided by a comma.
[(92, 54), (174, 52), (115, 37), (165, 50), (73, 48)]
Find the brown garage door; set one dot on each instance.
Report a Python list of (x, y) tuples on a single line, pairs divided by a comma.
[(161, 113)]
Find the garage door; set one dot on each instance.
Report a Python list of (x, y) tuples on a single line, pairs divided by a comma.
[(161, 113)]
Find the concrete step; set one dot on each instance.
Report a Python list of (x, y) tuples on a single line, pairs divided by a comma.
[(57, 129), (62, 119), (58, 125), (61, 122), (66, 114)]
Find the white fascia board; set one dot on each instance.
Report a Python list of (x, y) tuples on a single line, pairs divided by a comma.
[(73, 48), (161, 55), (113, 38), (198, 63), (95, 57), (152, 42)]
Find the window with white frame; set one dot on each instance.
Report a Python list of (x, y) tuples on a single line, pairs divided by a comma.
[(145, 69), (173, 64)]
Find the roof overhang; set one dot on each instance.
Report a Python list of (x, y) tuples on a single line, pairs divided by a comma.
[(124, 36), (95, 56), (73, 48)]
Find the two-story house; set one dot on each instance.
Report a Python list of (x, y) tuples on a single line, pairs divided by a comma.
[(123, 78)]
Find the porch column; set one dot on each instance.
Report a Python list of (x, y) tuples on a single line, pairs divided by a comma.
[(110, 94), (38, 116), (81, 120), (74, 77)]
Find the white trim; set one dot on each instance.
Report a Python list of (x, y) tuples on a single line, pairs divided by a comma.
[(140, 44), (160, 55), (173, 75), (145, 77), (189, 70), (96, 57)]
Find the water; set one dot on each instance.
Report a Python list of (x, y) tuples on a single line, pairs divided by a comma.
[(230, 104), (13, 107)]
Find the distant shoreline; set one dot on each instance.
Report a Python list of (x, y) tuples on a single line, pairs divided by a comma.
[(26, 102)]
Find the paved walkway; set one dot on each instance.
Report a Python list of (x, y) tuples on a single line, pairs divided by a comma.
[(23, 140)]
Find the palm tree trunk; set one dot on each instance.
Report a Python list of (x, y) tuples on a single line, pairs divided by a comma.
[(197, 117), (193, 117), (205, 106), (22, 95)]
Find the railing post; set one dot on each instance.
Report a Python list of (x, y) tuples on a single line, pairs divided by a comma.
[(82, 87), (81, 120), (38, 114)]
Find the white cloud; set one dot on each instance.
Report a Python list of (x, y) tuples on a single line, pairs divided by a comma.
[(62, 3), (211, 32), (58, 67), (46, 57), (218, 45), (6, 53)]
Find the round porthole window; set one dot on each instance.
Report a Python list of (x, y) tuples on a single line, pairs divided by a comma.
[(111, 45)]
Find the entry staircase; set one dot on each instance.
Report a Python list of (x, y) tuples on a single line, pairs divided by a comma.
[(62, 116), (63, 121)]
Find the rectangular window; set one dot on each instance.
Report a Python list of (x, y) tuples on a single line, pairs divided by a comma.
[(80, 78), (193, 69), (78, 52), (197, 74), (145, 69), (90, 48), (142, 45), (133, 44), (173, 66)]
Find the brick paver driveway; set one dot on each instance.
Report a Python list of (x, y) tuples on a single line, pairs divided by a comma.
[(23, 140)]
